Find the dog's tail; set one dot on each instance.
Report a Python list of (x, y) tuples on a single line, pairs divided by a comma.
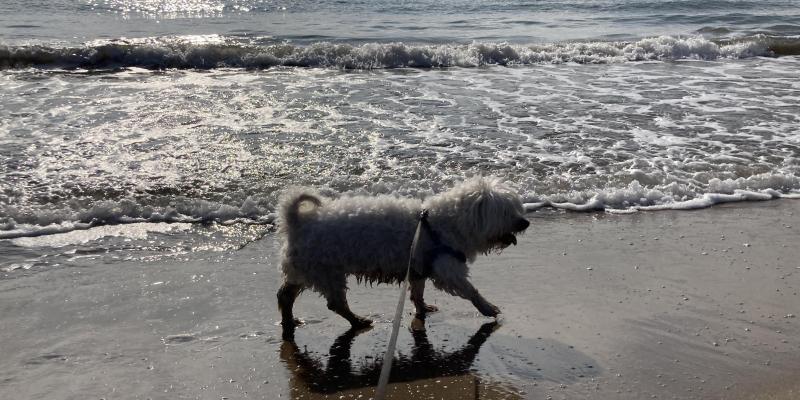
[(289, 213)]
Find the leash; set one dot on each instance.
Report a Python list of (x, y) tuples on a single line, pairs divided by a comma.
[(386, 368), (258, 237)]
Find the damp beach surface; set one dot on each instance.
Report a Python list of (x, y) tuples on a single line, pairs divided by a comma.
[(668, 304), (144, 145)]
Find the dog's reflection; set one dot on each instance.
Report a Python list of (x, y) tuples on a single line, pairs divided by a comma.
[(424, 373)]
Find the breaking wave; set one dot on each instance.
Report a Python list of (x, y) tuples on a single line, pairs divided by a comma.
[(218, 52)]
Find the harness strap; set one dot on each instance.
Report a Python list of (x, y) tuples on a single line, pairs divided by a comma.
[(438, 249)]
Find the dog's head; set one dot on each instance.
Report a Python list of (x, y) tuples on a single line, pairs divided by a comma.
[(488, 212)]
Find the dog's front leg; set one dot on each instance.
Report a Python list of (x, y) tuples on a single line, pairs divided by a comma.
[(450, 275), (483, 306), (417, 297)]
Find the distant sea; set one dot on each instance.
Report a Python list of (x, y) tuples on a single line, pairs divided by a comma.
[(139, 129)]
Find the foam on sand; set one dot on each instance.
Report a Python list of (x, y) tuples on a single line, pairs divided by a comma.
[(632, 198), (636, 197)]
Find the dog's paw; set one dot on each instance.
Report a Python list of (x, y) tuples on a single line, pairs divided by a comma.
[(291, 323), (499, 319), (417, 325), (489, 310), (431, 308), (287, 330), (361, 329), (361, 323)]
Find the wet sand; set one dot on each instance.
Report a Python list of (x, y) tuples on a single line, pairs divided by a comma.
[(671, 304)]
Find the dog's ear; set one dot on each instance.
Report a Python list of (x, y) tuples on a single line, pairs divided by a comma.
[(480, 199), (479, 211)]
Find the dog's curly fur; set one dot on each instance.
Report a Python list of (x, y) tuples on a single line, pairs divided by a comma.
[(370, 237)]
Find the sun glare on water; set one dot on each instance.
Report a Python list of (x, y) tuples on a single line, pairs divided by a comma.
[(177, 8)]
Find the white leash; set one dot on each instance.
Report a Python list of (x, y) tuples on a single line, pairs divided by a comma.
[(386, 368)]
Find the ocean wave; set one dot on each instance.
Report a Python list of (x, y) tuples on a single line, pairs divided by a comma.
[(629, 199), (24, 222), (637, 197), (182, 53)]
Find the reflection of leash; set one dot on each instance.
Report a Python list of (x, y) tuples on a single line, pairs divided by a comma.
[(258, 237), (386, 368)]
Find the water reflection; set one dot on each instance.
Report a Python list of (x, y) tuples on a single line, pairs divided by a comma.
[(427, 372)]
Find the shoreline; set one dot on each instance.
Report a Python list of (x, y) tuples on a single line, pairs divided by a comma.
[(592, 205), (672, 304)]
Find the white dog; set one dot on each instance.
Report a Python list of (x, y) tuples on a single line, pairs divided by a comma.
[(370, 237)]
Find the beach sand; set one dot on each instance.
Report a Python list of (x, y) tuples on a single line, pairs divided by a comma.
[(670, 304)]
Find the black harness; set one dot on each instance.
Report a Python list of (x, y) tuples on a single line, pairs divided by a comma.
[(437, 249)]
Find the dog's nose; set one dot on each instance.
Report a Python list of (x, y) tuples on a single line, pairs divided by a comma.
[(521, 224)]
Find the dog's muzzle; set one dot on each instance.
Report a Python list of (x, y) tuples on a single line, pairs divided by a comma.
[(521, 225), (510, 238)]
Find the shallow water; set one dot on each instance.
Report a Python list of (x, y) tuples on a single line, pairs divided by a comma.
[(145, 130), (143, 144), (203, 111), (70, 21), (85, 148)]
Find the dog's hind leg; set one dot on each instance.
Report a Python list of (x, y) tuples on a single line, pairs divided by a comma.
[(417, 291), (337, 302), (286, 297)]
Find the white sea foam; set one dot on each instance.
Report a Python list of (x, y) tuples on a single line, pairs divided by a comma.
[(78, 236), (634, 197), (15, 266), (87, 150), (217, 52), (27, 223)]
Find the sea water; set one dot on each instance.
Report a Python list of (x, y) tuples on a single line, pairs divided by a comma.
[(154, 128)]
